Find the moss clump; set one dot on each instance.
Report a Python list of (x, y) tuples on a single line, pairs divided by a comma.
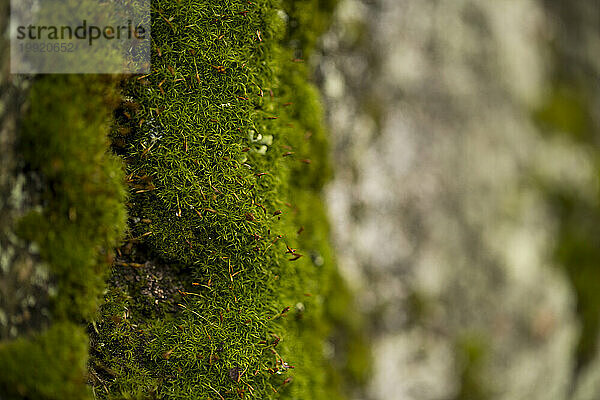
[(308, 19), (226, 158), (471, 352), (51, 365), (577, 252), (566, 111), (64, 142), (569, 110)]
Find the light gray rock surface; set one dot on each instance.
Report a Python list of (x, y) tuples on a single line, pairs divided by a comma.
[(437, 219)]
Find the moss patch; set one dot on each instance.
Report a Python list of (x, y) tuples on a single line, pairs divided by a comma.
[(51, 365), (569, 110), (64, 141), (226, 157)]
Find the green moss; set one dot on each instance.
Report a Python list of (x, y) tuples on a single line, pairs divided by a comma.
[(50, 365), (565, 110), (308, 19), (576, 251), (471, 350), (226, 157), (64, 142), (569, 110)]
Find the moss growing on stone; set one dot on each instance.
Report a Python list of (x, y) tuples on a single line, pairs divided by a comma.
[(569, 110), (64, 140), (79, 221), (222, 289), (225, 286), (50, 365)]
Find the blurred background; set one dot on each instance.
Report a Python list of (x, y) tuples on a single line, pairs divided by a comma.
[(465, 205)]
